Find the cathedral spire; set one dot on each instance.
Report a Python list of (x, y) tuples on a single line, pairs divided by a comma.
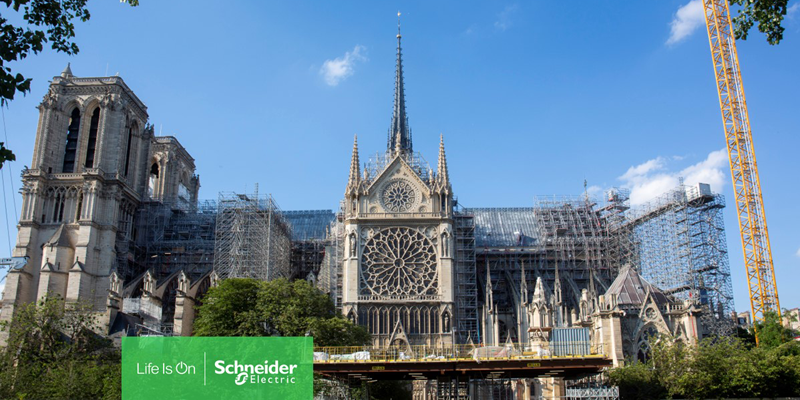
[(441, 172), (355, 177), (399, 130)]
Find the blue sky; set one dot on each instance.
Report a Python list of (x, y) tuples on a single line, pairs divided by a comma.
[(532, 98)]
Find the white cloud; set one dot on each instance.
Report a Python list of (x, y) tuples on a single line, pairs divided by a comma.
[(687, 19), (339, 69), (594, 190), (711, 170), (503, 21), (793, 9), (652, 178), (798, 253), (643, 169)]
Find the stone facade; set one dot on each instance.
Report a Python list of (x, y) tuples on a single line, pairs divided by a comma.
[(397, 266), (89, 174), (398, 262)]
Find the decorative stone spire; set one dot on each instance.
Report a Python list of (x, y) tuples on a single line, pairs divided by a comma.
[(558, 305), (441, 171), (523, 286), (399, 138), (355, 176), (489, 294), (557, 289), (67, 72)]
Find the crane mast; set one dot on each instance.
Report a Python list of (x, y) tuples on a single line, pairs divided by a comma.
[(742, 157)]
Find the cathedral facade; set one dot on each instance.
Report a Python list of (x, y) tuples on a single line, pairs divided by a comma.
[(111, 217), (398, 273)]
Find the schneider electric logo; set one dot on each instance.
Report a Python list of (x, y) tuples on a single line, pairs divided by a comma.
[(217, 367), (266, 373)]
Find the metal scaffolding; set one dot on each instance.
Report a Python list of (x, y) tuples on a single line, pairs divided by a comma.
[(682, 248), (330, 276), (574, 238), (622, 249), (172, 238), (253, 238), (466, 282), (309, 229), (564, 240)]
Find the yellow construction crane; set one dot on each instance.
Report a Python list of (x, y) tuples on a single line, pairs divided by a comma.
[(742, 156)]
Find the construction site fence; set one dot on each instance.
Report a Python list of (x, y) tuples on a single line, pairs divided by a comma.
[(423, 353)]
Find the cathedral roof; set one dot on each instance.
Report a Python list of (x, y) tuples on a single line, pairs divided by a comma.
[(504, 227), (631, 288), (309, 224)]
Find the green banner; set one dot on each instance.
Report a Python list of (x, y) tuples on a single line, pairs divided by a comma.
[(217, 367)]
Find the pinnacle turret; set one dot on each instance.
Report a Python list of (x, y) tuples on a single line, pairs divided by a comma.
[(67, 72), (441, 171), (355, 176), (489, 294), (523, 286)]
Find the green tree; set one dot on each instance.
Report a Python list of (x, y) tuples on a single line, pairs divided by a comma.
[(716, 368), (247, 307), (771, 332), (637, 381), (42, 22), (292, 308), (768, 14), (337, 332), (227, 309), (53, 352)]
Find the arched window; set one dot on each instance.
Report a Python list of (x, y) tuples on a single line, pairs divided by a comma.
[(72, 142), (152, 182), (79, 208), (92, 143), (128, 151)]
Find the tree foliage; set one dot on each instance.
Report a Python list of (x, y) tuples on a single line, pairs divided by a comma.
[(768, 14), (716, 368), (54, 353), (247, 307), (227, 308), (771, 332)]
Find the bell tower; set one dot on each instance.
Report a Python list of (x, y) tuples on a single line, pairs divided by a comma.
[(79, 196)]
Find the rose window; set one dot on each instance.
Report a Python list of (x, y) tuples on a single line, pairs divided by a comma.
[(399, 262), (398, 196)]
